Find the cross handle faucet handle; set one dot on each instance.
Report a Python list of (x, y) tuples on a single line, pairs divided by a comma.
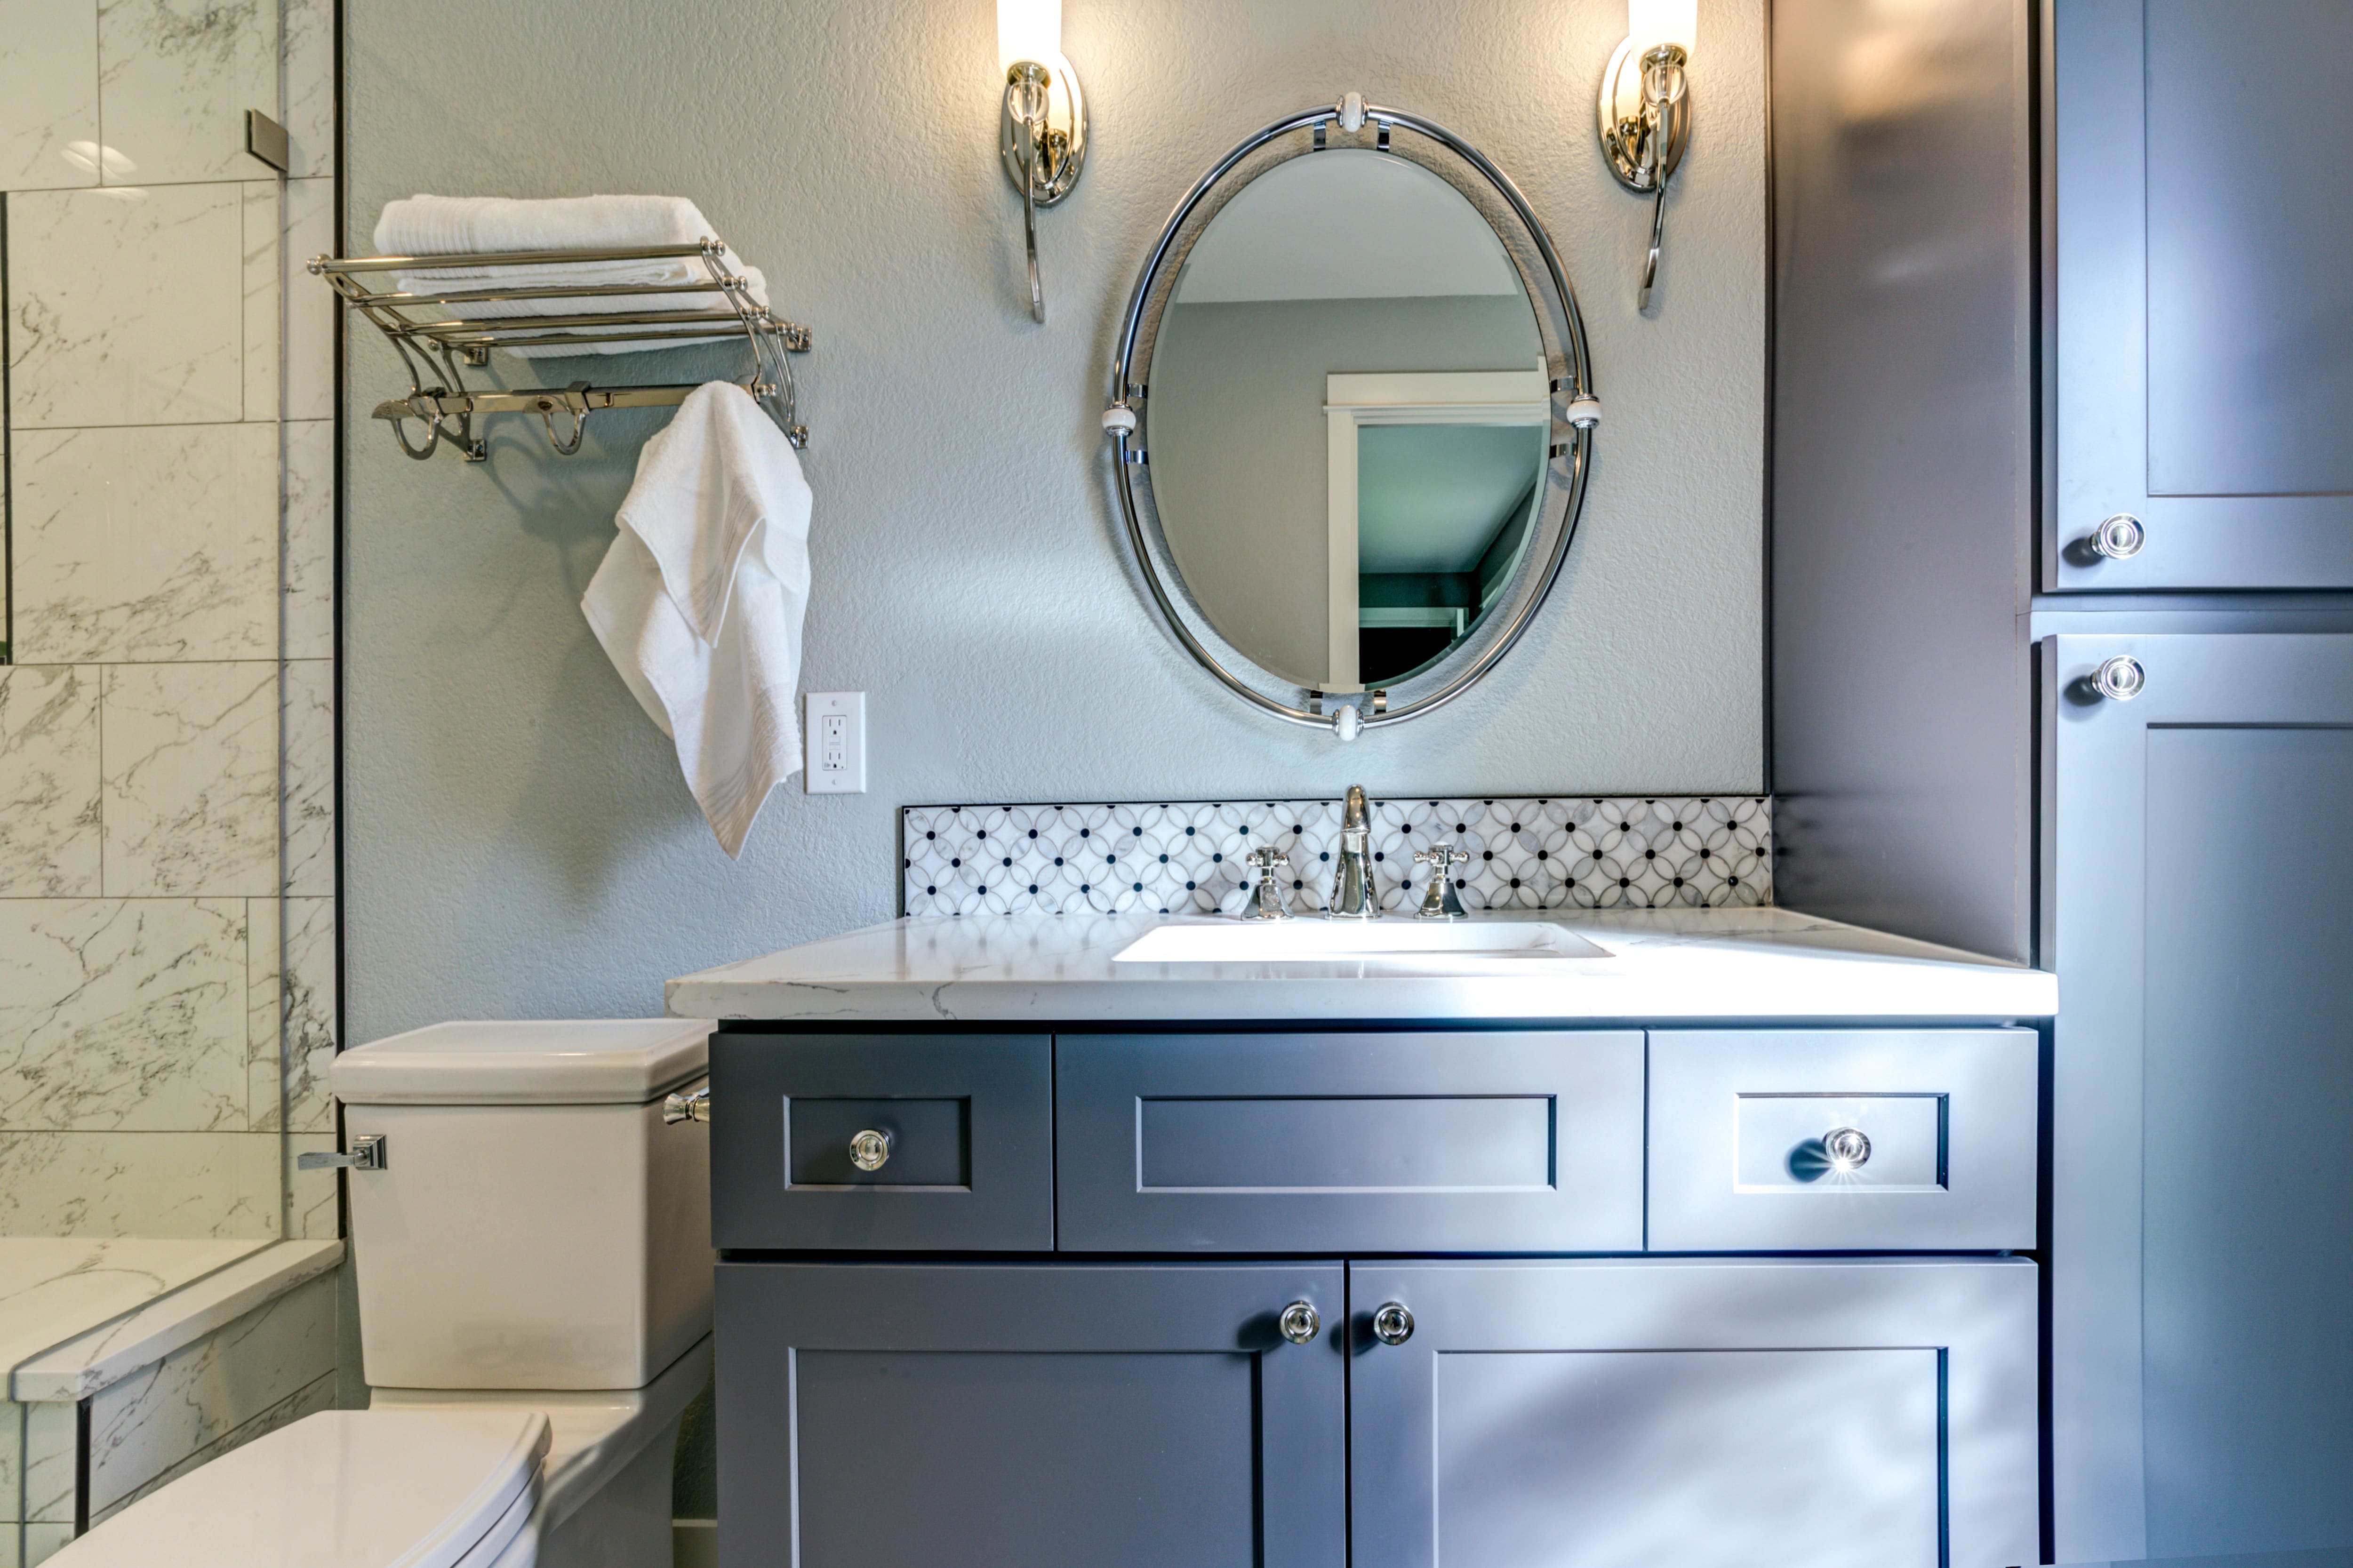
[(1438, 900), (1266, 858), (1444, 858)]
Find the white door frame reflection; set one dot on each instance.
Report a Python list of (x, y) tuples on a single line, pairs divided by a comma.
[(1507, 398)]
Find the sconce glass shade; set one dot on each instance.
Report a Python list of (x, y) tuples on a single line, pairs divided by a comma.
[(1029, 30), (1649, 23)]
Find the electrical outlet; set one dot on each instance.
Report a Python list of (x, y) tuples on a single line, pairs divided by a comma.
[(833, 735)]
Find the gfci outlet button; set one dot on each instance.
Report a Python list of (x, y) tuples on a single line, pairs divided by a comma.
[(833, 738)]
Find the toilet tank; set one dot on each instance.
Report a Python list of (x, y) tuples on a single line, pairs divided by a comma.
[(535, 1224)]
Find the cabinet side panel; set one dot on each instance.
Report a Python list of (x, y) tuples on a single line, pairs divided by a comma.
[(1903, 465)]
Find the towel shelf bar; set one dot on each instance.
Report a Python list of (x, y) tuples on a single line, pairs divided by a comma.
[(437, 333)]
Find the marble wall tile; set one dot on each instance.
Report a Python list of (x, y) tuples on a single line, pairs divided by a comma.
[(290, 1013), (126, 307), (264, 1003), (191, 779), (175, 78), (311, 304), (39, 1543), (151, 544), (12, 1455), (309, 73), (48, 94), (309, 810), (263, 226), (306, 1401), (48, 782), (309, 623), (313, 1206), (310, 1013), (122, 1015), (51, 1450), (140, 1184), (163, 1415)]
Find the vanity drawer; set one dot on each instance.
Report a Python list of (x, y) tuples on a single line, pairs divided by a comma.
[(1739, 1120), (1520, 1142), (969, 1161)]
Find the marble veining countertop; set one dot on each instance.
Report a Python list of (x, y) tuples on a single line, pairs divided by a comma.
[(1661, 965), (53, 1289)]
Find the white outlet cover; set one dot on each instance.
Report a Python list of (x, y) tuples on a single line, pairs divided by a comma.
[(833, 743)]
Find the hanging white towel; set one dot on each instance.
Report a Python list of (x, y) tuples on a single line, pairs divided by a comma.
[(443, 225), (699, 602)]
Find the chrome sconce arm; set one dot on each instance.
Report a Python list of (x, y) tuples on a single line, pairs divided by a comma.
[(1041, 158), (1645, 113)]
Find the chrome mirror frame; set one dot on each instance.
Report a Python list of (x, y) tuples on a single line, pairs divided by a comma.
[(1576, 411)]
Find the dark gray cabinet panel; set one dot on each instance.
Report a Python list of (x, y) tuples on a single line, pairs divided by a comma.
[(1070, 1415), (970, 1118), (1706, 1414), (1903, 473), (1521, 1141), (2202, 1235), (2205, 309)]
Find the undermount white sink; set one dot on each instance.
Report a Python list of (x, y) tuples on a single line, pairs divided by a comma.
[(1308, 940)]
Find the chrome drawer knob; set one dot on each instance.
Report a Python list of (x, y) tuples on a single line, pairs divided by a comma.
[(1847, 1147), (2120, 678), (2120, 537), (1393, 1324), (869, 1149), (1300, 1322)]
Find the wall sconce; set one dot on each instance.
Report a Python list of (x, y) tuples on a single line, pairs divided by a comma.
[(1042, 135), (1646, 108)]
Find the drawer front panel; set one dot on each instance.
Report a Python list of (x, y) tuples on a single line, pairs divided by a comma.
[(1506, 1142), (968, 1119), (1799, 1140)]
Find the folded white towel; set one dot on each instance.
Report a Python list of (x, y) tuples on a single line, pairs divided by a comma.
[(444, 226), (699, 602)]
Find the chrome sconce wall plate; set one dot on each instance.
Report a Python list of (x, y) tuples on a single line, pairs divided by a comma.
[(1565, 411), (1042, 122), (1645, 110)]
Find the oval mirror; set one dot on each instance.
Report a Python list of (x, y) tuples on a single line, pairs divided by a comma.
[(1353, 413)]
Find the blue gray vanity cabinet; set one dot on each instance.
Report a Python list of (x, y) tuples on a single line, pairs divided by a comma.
[(2203, 380), (2202, 1178), (1519, 1141), (970, 1161), (1698, 1413), (1067, 1415)]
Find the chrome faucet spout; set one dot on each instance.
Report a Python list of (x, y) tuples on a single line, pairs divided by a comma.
[(1354, 894)]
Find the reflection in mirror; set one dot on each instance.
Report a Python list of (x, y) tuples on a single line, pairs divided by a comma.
[(1348, 420)]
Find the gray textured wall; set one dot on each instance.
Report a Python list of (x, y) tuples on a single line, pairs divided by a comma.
[(517, 841)]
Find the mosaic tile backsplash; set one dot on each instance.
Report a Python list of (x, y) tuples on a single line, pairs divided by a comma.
[(1186, 857)]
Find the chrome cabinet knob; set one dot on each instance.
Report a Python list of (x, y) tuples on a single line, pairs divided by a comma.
[(1848, 1148), (2120, 537), (2120, 678), (1393, 1324), (1300, 1322), (869, 1149), (692, 1105)]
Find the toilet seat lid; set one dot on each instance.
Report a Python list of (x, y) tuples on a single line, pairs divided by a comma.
[(344, 1488)]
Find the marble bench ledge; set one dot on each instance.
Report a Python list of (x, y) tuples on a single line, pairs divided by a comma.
[(98, 1357)]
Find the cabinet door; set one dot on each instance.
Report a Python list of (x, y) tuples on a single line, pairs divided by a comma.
[(1703, 1413), (2201, 1235), (1051, 1415), (2203, 384)]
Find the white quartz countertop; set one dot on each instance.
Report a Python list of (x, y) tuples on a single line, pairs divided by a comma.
[(1661, 966)]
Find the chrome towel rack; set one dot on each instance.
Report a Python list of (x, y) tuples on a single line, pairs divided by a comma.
[(438, 333)]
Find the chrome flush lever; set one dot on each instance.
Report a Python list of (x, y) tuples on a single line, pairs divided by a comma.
[(367, 1154)]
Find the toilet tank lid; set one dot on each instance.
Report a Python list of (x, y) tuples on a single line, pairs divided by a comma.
[(584, 1061)]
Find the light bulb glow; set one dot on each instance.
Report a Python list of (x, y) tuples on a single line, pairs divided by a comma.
[(1029, 30), (1650, 23)]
